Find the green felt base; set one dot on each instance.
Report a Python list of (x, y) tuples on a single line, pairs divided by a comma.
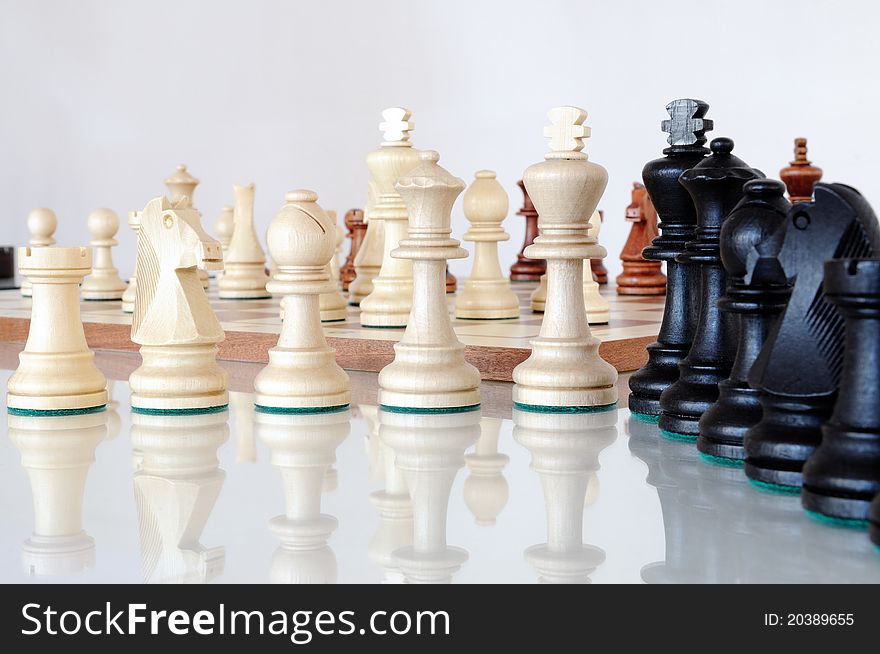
[(645, 417), (354, 304), (775, 488), (429, 410), (334, 320), (179, 412), (101, 299), (539, 408), (849, 523), (482, 319), (55, 412), (259, 297), (384, 326), (288, 410), (722, 460), (675, 436)]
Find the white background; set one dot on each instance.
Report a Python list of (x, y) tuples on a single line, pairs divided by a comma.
[(102, 99)]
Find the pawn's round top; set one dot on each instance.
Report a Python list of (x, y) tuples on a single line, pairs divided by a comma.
[(103, 224), (485, 174), (42, 222), (301, 233)]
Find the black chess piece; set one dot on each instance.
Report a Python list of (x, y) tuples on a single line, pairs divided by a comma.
[(750, 229), (875, 521), (678, 219), (716, 186), (7, 267), (843, 475), (798, 369)]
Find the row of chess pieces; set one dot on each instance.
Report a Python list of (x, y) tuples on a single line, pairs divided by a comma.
[(749, 362), (409, 216), (769, 352), (413, 462)]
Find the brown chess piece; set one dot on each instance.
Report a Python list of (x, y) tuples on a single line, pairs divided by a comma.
[(451, 282), (525, 269), (597, 267), (357, 229), (800, 176), (640, 276)]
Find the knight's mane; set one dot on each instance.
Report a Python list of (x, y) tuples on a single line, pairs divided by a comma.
[(147, 263)]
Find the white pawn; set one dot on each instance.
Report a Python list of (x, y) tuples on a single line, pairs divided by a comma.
[(104, 283), (302, 374), (244, 274), (486, 294), (564, 371), (182, 185), (429, 370), (333, 303), (224, 226), (368, 259), (56, 372), (392, 297), (41, 223), (130, 295), (598, 308)]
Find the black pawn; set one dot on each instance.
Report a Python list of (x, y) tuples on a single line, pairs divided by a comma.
[(748, 231), (843, 474), (678, 219), (875, 521), (716, 186), (798, 370)]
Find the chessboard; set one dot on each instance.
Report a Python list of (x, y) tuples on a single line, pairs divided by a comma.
[(495, 347)]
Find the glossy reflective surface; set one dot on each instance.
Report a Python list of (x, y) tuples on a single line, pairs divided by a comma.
[(364, 496)]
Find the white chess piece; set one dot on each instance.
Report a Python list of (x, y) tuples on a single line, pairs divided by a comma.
[(565, 450), (57, 453), (56, 371), (104, 283), (368, 259), (333, 303), (303, 448), (564, 371), (429, 370), (41, 223), (538, 298), (130, 294), (244, 271), (429, 451), (598, 308), (224, 226), (173, 321), (176, 488), (392, 297), (485, 488), (182, 186), (302, 374), (486, 294)]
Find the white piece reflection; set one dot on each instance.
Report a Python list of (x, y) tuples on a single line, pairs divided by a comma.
[(429, 451), (303, 448), (485, 488), (176, 488), (565, 450), (57, 453)]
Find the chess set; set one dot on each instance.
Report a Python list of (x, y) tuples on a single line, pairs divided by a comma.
[(760, 343)]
